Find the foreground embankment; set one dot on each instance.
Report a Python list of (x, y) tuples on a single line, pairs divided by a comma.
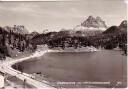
[(7, 68)]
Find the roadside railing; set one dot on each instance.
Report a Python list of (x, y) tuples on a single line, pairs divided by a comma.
[(39, 79)]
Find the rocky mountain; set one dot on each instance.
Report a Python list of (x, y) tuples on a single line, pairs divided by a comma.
[(17, 29), (13, 42), (123, 25), (116, 29), (92, 23)]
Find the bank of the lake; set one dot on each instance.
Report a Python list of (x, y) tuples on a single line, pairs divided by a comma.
[(102, 66)]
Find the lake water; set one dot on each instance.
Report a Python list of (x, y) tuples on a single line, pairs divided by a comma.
[(102, 66)]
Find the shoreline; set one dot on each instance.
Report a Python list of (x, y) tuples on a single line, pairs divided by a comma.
[(9, 63), (51, 52), (7, 68)]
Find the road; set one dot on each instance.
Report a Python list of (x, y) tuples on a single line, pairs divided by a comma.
[(6, 67)]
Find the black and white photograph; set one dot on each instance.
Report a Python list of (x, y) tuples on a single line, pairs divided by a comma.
[(63, 44)]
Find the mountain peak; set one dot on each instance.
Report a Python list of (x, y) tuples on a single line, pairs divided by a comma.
[(17, 29), (92, 22), (20, 29), (98, 18), (123, 25), (90, 17)]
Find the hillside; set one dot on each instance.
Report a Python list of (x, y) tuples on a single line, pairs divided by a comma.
[(89, 27), (108, 39), (13, 42), (117, 29)]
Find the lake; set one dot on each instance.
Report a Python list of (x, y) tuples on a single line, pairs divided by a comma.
[(84, 68)]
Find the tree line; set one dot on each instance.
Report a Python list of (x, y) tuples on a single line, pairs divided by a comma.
[(12, 40), (106, 41)]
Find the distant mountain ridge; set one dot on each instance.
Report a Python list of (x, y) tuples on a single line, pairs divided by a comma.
[(17, 29), (93, 31)]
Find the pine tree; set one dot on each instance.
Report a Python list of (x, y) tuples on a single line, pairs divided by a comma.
[(9, 38)]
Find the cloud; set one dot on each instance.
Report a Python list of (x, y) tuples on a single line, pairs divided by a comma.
[(22, 8), (28, 9), (63, 14), (40, 10)]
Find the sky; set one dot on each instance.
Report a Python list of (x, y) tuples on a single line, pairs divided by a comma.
[(55, 15)]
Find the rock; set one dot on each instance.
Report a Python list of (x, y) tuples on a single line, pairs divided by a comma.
[(123, 25), (17, 29), (92, 24)]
